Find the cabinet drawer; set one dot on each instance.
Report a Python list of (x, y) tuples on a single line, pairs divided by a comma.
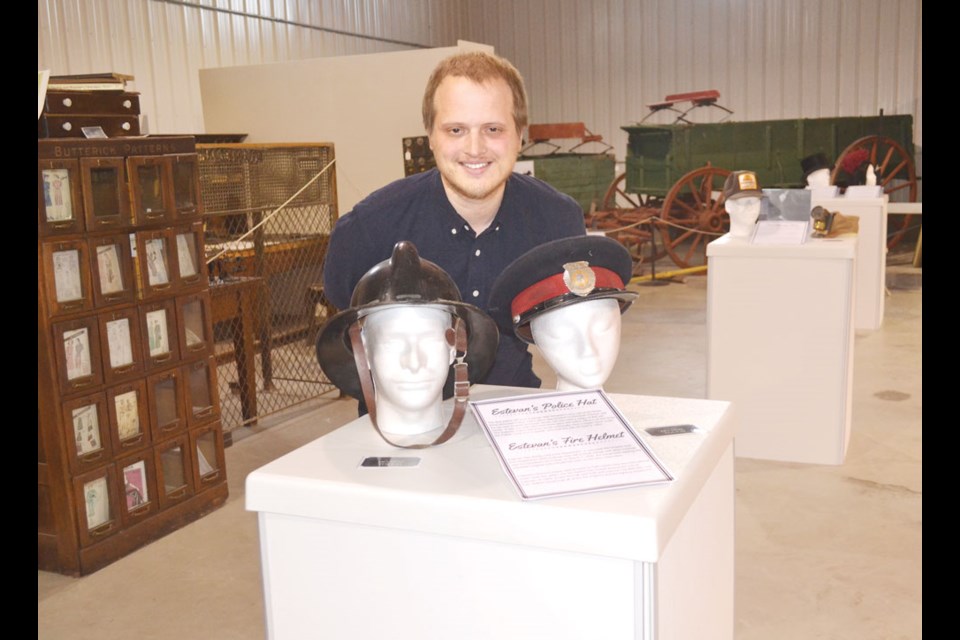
[(114, 103), (70, 126)]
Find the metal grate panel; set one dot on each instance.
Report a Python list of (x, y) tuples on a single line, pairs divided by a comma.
[(266, 250)]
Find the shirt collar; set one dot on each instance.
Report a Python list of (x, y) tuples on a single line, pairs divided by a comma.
[(453, 220)]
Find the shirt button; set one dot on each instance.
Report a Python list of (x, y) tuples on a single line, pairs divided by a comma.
[(476, 294), (477, 252), (466, 227), (496, 228), (453, 231)]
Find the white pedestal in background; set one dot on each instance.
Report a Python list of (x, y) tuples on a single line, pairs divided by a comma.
[(780, 345), (449, 550), (871, 254)]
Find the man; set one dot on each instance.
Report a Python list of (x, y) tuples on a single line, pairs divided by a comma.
[(472, 215)]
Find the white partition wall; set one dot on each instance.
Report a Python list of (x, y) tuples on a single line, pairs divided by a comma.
[(365, 105)]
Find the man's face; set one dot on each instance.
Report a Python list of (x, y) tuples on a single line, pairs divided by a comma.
[(474, 139)]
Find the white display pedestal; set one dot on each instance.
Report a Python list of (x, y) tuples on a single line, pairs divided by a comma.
[(449, 550), (780, 345), (871, 254)]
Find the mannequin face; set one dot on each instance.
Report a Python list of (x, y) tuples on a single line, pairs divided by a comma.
[(743, 215), (409, 359), (819, 178), (580, 342)]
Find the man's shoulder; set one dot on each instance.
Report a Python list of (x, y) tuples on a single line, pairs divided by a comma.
[(400, 192), (542, 203)]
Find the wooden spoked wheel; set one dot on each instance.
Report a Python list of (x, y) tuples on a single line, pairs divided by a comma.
[(895, 170), (617, 197), (626, 218), (693, 215)]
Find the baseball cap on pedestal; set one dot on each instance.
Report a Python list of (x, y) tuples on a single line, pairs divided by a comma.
[(742, 184)]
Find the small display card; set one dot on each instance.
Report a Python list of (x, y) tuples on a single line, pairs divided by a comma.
[(560, 443), (793, 232)]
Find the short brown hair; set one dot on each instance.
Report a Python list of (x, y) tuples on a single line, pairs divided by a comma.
[(480, 67)]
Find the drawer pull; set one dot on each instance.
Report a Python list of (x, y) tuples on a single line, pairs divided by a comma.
[(132, 442)]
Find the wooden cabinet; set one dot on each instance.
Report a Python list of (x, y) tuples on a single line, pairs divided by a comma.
[(130, 445)]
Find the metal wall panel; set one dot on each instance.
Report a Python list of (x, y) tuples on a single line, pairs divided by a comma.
[(599, 62), (602, 62), (163, 43)]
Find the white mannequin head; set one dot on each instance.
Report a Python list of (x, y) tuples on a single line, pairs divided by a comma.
[(818, 178), (580, 342), (743, 215), (409, 357)]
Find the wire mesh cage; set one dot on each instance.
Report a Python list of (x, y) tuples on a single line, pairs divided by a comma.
[(269, 211)]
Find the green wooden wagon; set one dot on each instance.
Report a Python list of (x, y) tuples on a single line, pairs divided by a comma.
[(674, 173)]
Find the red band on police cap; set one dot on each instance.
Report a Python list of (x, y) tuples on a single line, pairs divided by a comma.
[(554, 286)]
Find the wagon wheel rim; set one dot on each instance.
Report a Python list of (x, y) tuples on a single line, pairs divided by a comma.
[(896, 173), (693, 215), (621, 209)]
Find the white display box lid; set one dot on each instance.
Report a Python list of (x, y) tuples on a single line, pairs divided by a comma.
[(843, 248), (459, 488)]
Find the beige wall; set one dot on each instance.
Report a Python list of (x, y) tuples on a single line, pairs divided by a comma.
[(364, 104)]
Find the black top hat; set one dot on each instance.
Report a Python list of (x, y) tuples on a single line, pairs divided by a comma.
[(741, 184), (403, 280), (815, 162), (557, 274)]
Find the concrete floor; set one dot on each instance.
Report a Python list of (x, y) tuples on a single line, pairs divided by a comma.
[(821, 551)]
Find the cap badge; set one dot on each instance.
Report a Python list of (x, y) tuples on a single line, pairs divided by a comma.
[(579, 278), (748, 181)]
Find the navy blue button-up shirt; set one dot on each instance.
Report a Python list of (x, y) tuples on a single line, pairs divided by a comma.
[(416, 209)]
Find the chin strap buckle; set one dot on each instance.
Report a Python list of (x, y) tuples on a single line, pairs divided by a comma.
[(461, 382)]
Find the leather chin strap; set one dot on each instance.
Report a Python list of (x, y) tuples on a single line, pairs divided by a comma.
[(457, 338)]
